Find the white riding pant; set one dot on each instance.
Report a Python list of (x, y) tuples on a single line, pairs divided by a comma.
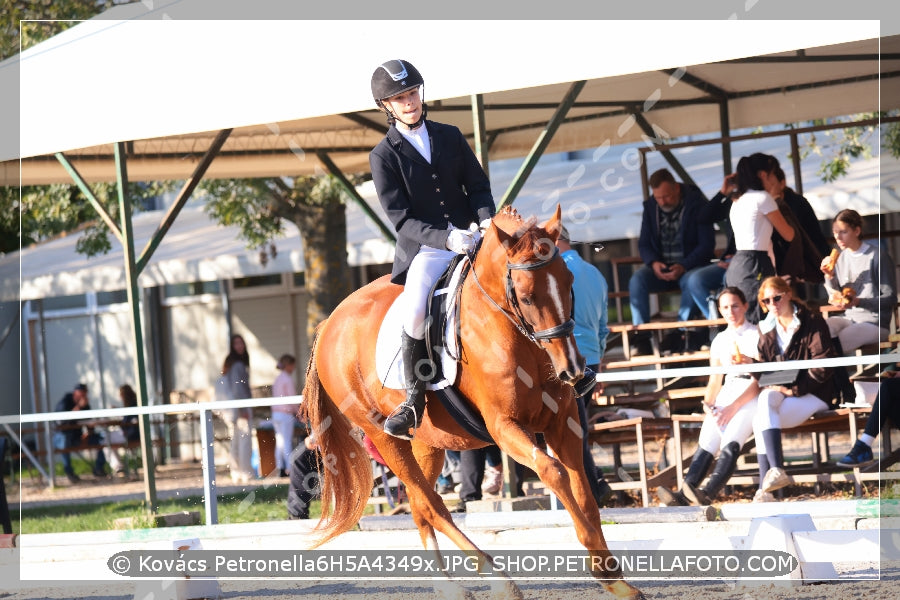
[(853, 335), (283, 424), (774, 410), (424, 271), (738, 429)]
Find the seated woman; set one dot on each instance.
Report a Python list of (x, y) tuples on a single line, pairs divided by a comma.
[(129, 430), (861, 281), (791, 331), (729, 407)]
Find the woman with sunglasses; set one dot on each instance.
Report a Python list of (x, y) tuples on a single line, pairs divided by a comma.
[(790, 331), (729, 405), (754, 215)]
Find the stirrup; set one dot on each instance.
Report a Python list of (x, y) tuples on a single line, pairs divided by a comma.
[(393, 426)]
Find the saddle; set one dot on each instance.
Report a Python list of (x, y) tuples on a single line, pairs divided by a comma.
[(442, 341)]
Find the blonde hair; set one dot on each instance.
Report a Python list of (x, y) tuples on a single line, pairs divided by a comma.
[(779, 285)]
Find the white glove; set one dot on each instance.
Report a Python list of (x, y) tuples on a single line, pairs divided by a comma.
[(484, 224), (460, 241), (476, 232)]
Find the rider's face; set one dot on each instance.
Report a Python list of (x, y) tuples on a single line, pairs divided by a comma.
[(406, 107)]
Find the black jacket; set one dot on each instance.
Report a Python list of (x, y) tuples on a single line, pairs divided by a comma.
[(422, 199), (811, 341), (698, 242)]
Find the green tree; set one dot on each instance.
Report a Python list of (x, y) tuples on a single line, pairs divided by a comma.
[(838, 147)]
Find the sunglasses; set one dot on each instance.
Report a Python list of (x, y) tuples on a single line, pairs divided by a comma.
[(773, 299)]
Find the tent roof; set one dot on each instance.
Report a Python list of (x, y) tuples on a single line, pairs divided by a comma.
[(284, 110)]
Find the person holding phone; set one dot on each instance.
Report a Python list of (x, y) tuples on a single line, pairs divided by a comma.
[(790, 331)]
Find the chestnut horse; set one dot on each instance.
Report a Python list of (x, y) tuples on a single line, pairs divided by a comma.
[(519, 361)]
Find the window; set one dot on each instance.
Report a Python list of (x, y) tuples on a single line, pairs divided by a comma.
[(195, 288)]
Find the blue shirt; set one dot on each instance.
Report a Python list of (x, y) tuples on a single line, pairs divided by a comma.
[(591, 297)]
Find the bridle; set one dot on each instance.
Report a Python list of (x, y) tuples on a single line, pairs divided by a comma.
[(520, 322)]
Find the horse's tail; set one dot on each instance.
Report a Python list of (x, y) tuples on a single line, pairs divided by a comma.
[(345, 472)]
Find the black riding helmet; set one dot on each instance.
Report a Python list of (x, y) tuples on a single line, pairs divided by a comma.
[(395, 77)]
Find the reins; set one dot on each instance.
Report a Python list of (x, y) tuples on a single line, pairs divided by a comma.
[(520, 322)]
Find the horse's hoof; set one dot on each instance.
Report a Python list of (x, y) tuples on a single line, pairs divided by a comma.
[(621, 589)]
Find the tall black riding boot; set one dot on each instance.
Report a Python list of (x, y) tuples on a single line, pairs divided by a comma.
[(842, 384), (416, 371), (722, 472), (700, 465)]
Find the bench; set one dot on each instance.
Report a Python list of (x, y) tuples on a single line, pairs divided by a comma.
[(638, 431), (848, 420)]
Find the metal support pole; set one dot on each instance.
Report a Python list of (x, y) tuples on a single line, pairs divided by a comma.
[(208, 460), (481, 148), (725, 127), (540, 145), (354, 195), (795, 161), (134, 298)]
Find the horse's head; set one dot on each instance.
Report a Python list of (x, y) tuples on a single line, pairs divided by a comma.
[(538, 286)]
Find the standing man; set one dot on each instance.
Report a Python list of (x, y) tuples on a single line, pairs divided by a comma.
[(673, 243), (70, 435), (591, 330)]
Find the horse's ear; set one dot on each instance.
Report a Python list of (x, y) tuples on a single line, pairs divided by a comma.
[(504, 238), (554, 223)]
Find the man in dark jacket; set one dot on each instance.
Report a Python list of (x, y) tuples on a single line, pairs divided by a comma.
[(673, 243), (70, 434)]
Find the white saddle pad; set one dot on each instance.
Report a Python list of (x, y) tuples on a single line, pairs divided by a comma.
[(388, 360)]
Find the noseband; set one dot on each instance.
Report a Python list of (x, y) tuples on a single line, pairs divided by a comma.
[(521, 323)]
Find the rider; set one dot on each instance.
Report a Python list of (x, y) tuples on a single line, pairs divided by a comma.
[(433, 190)]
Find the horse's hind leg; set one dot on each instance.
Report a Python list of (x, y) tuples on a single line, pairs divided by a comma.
[(558, 475)]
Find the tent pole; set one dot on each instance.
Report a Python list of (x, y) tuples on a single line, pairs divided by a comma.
[(86, 190), (481, 148), (354, 195), (541, 144), (670, 158), (134, 302)]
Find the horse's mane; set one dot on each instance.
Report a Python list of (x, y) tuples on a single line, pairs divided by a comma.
[(527, 237)]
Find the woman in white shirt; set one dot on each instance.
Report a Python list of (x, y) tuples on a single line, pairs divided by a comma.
[(729, 403), (754, 214)]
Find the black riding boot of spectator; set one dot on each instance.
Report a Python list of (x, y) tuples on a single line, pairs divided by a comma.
[(700, 465), (842, 382), (408, 416), (722, 472)]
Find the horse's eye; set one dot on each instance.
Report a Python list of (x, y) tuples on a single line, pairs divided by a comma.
[(527, 301)]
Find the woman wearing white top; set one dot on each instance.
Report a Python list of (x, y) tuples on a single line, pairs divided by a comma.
[(754, 214), (283, 414), (729, 405)]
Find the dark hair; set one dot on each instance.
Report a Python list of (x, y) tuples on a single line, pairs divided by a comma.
[(734, 291), (80, 387), (660, 177), (233, 356), (129, 397), (778, 172), (850, 217), (748, 169), (285, 360)]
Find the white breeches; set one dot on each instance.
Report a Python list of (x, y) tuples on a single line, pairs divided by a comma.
[(853, 335), (774, 410), (425, 269), (738, 429)]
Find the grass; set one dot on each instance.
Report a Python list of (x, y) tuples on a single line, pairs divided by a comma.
[(259, 505)]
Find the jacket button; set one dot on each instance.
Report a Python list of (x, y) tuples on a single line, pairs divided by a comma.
[(442, 202), (434, 175), (438, 190), (446, 216)]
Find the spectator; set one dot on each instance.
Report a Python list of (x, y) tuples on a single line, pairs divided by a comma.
[(862, 282), (758, 214), (889, 390), (729, 407), (704, 283), (70, 435), (591, 294), (283, 415), (673, 242), (790, 332), (129, 430), (234, 384), (800, 206), (471, 469), (304, 474), (433, 191), (450, 475)]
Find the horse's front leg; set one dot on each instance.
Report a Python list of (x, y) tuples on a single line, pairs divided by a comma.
[(558, 474)]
